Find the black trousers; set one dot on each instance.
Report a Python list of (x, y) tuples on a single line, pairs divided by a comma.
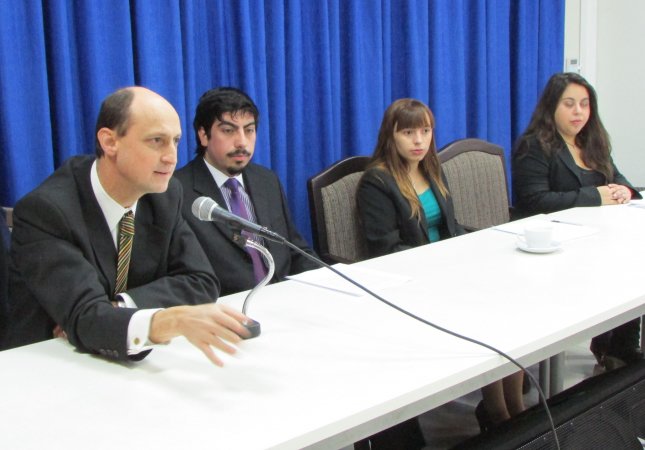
[(621, 342), (404, 436)]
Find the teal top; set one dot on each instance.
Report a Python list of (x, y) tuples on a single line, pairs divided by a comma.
[(433, 214)]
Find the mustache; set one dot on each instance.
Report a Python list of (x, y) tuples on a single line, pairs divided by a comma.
[(239, 152)]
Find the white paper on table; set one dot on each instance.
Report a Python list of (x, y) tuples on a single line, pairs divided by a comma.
[(517, 226), (371, 279), (638, 203), (562, 231)]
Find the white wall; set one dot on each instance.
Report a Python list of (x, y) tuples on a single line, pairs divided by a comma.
[(608, 38)]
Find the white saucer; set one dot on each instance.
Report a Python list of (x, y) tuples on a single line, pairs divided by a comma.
[(521, 244)]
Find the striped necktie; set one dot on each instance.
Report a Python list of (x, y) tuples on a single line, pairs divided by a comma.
[(238, 207), (126, 236)]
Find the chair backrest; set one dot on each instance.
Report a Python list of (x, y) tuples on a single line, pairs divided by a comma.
[(6, 224), (334, 217), (476, 174), (8, 214)]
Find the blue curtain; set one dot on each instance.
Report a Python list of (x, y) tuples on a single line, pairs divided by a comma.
[(321, 72)]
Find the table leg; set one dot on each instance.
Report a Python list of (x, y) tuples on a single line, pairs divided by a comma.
[(557, 374), (545, 378)]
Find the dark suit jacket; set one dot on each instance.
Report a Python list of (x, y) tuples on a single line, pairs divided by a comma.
[(385, 215), (63, 263), (544, 184), (231, 263)]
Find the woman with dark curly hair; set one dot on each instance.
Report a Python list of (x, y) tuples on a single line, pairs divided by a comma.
[(563, 160)]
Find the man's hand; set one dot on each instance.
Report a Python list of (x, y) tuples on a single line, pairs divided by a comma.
[(203, 325), (59, 332)]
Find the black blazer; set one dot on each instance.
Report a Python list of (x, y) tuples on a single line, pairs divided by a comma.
[(231, 262), (385, 215), (544, 184), (63, 263)]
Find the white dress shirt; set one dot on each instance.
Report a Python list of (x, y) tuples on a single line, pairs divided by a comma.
[(139, 326)]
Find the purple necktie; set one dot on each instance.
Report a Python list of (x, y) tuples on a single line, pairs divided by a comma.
[(239, 208)]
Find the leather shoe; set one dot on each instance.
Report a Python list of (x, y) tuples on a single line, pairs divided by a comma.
[(483, 419), (613, 362)]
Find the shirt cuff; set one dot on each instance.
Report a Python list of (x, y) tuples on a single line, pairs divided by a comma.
[(126, 300), (138, 330)]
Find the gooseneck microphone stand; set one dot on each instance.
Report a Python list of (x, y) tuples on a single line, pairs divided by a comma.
[(271, 270), (251, 325)]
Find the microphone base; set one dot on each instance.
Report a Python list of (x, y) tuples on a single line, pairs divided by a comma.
[(253, 327)]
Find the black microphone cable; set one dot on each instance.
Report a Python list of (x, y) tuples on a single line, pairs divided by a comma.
[(535, 383)]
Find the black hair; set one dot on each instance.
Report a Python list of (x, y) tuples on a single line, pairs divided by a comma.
[(213, 104), (114, 114), (593, 139)]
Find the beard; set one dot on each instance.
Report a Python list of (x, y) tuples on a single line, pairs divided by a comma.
[(234, 171), (237, 169)]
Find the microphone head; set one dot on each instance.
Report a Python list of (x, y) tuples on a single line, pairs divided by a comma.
[(202, 207)]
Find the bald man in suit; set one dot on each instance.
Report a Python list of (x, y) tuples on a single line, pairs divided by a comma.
[(65, 244)]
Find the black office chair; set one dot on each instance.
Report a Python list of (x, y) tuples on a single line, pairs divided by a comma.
[(334, 218), (476, 174), (7, 218)]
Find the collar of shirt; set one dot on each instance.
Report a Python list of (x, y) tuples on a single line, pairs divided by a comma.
[(220, 177), (112, 211)]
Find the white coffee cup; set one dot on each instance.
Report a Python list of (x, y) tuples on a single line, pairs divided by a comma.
[(538, 235)]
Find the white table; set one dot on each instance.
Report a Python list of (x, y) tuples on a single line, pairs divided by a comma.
[(329, 368)]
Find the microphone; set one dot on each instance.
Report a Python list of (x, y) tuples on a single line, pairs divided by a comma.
[(205, 208)]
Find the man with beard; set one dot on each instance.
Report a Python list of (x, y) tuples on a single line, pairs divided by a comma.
[(226, 121)]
